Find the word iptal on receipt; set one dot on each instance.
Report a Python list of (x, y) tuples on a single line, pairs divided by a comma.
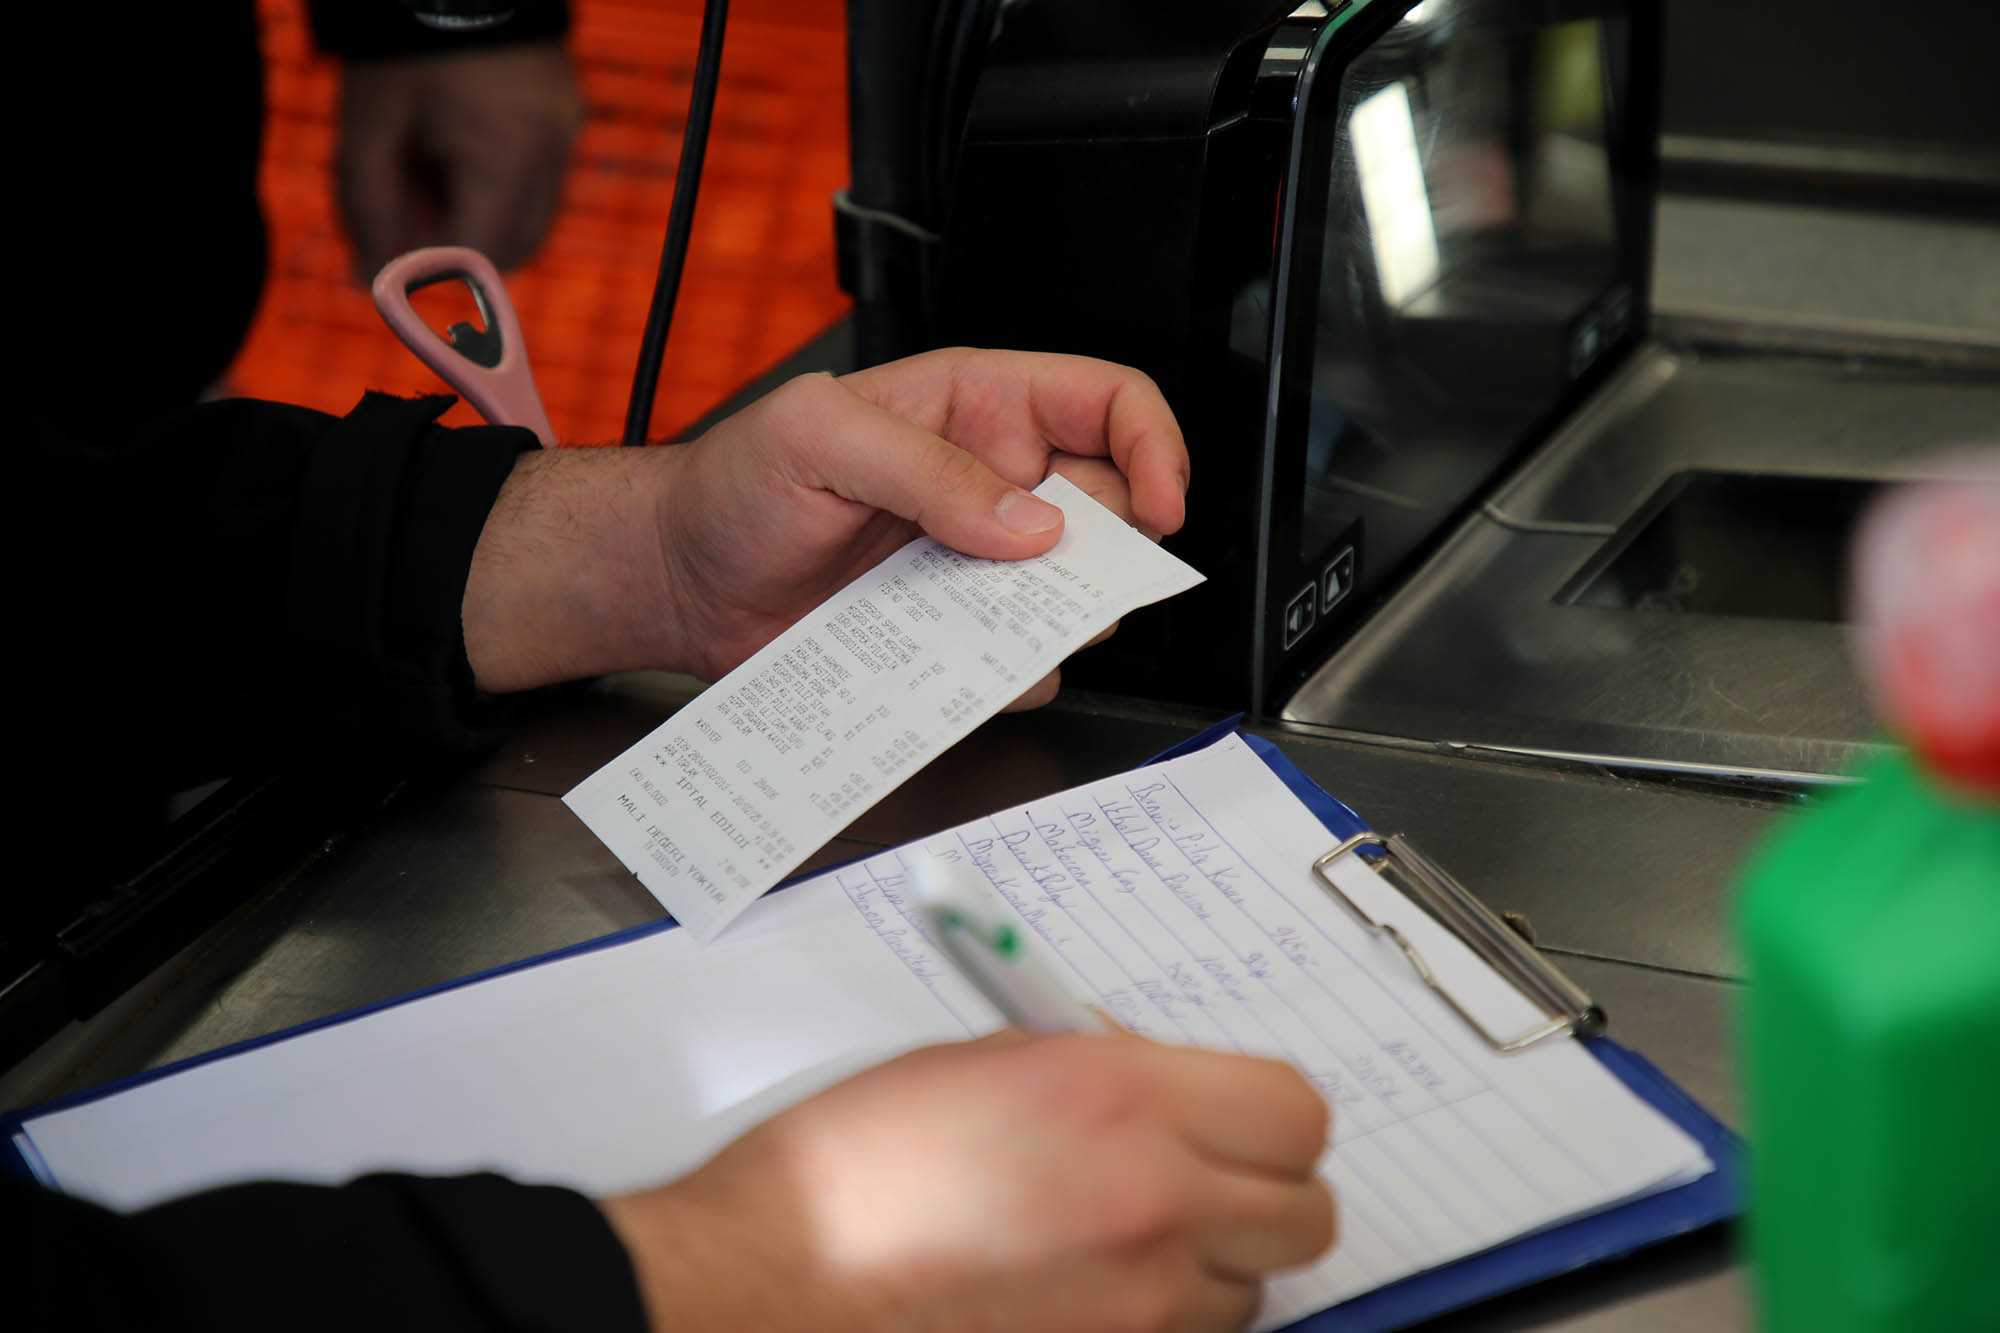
[(733, 792)]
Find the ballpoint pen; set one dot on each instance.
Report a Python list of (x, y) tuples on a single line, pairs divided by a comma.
[(992, 952)]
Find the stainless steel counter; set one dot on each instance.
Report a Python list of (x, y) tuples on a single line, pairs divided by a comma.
[(1513, 635), (1625, 880), (1795, 341)]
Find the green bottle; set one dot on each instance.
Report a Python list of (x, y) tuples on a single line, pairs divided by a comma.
[(1870, 924)]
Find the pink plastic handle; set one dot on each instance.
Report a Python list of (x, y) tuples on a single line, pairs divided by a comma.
[(504, 393)]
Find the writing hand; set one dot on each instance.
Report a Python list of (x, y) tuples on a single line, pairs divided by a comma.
[(467, 148), (1048, 1184), (693, 557)]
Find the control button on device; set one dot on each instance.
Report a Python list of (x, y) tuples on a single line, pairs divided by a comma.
[(1337, 581), (1300, 614)]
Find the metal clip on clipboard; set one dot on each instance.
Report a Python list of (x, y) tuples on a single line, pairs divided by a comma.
[(1420, 880)]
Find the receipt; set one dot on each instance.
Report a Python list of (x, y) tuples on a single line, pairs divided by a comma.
[(733, 792)]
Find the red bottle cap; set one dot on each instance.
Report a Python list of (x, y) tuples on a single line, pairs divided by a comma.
[(1927, 607)]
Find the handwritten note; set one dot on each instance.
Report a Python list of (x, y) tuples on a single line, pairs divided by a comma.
[(1179, 898), (739, 787)]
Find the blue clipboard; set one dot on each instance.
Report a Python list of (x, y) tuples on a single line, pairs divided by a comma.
[(1712, 1198)]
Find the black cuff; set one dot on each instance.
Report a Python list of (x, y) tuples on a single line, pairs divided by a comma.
[(542, 1258), (375, 29), (381, 555), (395, 1252)]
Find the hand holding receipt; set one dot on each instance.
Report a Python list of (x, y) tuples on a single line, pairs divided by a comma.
[(735, 790)]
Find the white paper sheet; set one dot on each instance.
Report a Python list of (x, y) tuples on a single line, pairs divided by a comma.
[(1177, 896), (738, 788), (1180, 898)]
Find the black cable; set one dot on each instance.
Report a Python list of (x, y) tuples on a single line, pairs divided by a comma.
[(680, 222)]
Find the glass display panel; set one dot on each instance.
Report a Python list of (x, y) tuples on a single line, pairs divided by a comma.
[(1470, 264)]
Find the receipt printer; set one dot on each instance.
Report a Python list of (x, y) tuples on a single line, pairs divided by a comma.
[(1372, 251)]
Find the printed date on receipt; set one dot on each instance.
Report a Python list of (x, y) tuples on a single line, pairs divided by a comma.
[(733, 792)]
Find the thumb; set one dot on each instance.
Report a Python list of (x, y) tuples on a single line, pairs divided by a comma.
[(835, 440)]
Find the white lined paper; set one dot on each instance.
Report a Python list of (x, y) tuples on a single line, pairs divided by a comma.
[(1180, 899)]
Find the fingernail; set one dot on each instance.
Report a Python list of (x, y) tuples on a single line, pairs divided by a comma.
[(1021, 512)]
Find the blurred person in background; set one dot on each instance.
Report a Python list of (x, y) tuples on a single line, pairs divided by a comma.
[(145, 245)]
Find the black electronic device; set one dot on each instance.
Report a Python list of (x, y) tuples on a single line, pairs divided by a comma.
[(1371, 251)]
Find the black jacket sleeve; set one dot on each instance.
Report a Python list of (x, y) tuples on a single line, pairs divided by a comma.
[(244, 587), (383, 1253), (247, 582), (245, 572)]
